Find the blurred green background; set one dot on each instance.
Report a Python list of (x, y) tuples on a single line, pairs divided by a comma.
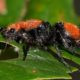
[(39, 64), (48, 10)]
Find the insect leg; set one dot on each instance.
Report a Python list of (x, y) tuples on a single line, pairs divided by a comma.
[(70, 45), (25, 50), (61, 58)]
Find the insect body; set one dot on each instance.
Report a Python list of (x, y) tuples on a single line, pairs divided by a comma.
[(42, 34), (30, 33)]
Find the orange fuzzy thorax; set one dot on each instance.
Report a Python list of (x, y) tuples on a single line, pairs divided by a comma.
[(73, 30), (29, 24)]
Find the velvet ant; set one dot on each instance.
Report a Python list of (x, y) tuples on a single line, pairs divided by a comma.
[(42, 34)]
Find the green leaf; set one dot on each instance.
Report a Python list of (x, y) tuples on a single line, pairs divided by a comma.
[(68, 55), (36, 66)]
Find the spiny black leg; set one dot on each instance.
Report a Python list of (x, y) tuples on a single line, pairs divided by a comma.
[(25, 50), (70, 45), (61, 58)]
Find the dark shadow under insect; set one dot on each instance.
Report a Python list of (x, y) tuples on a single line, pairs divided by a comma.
[(42, 36)]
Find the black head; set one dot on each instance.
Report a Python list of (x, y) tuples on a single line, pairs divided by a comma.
[(9, 34)]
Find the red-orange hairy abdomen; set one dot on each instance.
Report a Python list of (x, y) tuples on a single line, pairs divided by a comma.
[(73, 30)]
